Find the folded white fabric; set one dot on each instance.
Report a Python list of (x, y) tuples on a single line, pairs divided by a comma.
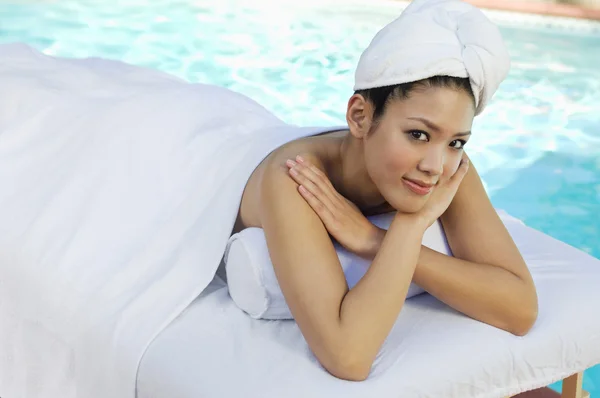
[(251, 278), (119, 188), (437, 37)]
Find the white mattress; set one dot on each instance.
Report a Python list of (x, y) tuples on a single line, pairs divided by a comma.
[(215, 350)]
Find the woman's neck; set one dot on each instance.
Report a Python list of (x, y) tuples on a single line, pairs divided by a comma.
[(348, 173)]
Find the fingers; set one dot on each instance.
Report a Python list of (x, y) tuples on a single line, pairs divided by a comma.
[(317, 173), (321, 209), (313, 179), (461, 172), (463, 167)]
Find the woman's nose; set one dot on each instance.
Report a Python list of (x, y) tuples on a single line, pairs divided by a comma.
[(432, 162)]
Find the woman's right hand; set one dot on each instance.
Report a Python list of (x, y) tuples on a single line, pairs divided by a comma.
[(442, 196)]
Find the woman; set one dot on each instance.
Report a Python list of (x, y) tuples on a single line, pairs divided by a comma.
[(403, 151)]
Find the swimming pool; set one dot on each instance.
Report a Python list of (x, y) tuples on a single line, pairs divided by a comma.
[(536, 146)]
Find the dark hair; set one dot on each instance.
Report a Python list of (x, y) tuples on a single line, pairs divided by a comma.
[(381, 96)]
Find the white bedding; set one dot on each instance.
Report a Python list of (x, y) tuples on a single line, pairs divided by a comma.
[(119, 188), (215, 350)]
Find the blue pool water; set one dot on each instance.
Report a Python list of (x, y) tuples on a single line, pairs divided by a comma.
[(537, 146)]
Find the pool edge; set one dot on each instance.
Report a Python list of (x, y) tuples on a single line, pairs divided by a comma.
[(540, 8)]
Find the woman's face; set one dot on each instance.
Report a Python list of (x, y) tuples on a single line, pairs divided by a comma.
[(418, 144)]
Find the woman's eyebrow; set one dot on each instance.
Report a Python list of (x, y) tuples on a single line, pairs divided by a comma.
[(435, 128)]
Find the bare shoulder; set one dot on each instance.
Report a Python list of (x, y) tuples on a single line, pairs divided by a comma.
[(278, 192), (274, 163), (306, 149), (474, 230)]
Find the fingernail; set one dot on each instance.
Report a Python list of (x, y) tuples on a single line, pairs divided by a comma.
[(294, 172), (300, 159), (290, 162)]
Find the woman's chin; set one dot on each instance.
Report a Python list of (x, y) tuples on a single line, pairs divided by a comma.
[(409, 209), (407, 205)]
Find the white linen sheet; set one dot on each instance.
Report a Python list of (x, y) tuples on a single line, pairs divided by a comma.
[(119, 188), (214, 349)]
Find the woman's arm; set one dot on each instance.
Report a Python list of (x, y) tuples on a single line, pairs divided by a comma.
[(487, 279), (486, 292), (344, 329)]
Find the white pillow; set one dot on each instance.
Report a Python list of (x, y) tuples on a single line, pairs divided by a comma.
[(251, 278)]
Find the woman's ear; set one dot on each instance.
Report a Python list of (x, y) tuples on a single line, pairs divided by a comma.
[(359, 116)]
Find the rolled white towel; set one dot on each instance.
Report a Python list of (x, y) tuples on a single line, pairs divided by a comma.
[(437, 37), (254, 287)]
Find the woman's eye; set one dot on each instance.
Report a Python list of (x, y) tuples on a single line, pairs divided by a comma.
[(458, 144), (419, 135)]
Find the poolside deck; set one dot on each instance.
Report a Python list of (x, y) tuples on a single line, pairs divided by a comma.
[(572, 387), (542, 393), (542, 8)]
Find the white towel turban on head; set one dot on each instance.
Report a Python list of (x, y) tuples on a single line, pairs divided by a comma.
[(437, 37)]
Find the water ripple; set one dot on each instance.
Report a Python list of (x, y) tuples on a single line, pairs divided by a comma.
[(299, 62)]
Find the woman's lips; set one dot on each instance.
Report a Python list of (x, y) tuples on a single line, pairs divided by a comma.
[(416, 188)]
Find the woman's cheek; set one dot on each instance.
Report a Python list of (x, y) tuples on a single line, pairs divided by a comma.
[(399, 159)]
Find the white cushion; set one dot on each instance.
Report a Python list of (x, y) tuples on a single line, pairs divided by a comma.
[(251, 278)]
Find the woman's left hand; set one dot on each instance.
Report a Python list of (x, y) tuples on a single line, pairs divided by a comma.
[(342, 218)]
